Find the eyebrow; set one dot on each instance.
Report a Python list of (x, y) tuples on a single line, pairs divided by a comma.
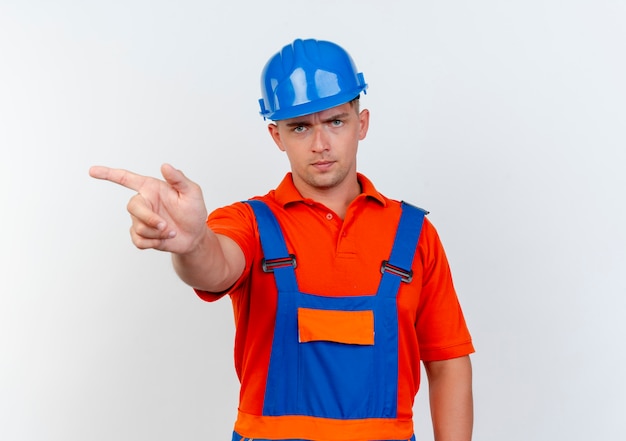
[(325, 120), (336, 117)]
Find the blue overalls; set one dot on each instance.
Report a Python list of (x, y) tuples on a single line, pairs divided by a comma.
[(330, 379)]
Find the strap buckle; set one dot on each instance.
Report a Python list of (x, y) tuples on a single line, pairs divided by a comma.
[(406, 276), (269, 265)]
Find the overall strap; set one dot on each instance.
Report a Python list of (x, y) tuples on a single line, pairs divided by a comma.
[(398, 268), (395, 271), (277, 259), (283, 369)]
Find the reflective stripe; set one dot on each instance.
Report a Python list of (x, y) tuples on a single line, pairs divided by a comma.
[(237, 437)]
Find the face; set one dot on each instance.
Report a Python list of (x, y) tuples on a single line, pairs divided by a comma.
[(322, 147)]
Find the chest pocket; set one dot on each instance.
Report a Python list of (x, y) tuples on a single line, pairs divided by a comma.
[(347, 327)]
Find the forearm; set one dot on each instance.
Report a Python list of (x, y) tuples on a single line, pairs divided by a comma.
[(215, 263), (451, 401)]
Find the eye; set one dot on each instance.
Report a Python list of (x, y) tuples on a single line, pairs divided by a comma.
[(299, 129), (336, 123)]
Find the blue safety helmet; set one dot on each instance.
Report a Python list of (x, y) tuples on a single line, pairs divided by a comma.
[(308, 76)]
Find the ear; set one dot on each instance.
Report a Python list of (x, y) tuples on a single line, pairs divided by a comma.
[(364, 123), (275, 134)]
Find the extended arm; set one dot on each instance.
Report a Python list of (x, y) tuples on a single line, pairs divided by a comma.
[(170, 215), (451, 402), (213, 266)]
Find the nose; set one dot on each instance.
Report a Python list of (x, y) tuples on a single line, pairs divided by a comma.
[(321, 140)]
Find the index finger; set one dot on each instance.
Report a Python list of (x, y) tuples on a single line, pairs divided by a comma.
[(119, 176)]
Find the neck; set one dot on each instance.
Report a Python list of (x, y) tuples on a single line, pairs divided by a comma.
[(336, 198)]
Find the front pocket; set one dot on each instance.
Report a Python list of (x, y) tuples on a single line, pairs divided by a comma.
[(349, 327)]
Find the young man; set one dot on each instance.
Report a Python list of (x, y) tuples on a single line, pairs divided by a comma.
[(338, 291)]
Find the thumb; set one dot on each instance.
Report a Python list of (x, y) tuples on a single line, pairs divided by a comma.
[(175, 178)]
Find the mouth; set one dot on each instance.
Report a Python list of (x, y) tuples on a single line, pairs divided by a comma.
[(323, 165)]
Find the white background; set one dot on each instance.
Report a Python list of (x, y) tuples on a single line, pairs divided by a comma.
[(506, 119)]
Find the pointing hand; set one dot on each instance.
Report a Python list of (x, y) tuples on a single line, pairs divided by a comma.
[(167, 215)]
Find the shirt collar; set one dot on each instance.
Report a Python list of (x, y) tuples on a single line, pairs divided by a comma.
[(286, 192)]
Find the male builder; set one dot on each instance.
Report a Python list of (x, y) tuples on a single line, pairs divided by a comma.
[(338, 291)]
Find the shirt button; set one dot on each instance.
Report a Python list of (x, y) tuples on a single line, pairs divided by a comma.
[(329, 216)]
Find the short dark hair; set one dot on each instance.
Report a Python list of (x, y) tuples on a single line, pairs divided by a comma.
[(355, 103)]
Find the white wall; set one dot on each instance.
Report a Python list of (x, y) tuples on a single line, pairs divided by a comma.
[(505, 119)]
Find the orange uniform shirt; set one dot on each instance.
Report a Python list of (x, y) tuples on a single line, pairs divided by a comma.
[(338, 257)]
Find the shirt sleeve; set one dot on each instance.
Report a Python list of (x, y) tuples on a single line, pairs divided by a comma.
[(440, 325), (237, 222)]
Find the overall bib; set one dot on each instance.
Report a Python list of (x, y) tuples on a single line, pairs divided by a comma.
[(334, 357)]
